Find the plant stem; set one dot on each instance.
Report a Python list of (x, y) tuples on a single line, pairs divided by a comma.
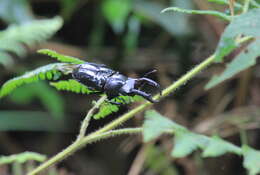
[(100, 133), (165, 93), (231, 7), (246, 6), (243, 136), (187, 77), (85, 122), (104, 132), (80, 143)]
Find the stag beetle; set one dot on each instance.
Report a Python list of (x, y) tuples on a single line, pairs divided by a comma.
[(100, 78)]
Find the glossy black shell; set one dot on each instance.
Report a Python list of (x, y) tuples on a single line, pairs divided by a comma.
[(99, 77), (94, 76)]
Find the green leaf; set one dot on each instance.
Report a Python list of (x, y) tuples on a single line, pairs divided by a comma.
[(244, 60), (71, 85), (177, 25), (251, 160), (247, 24), (186, 142), (108, 108), (15, 36), (155, 125), (199, 12), (60, 57), (105, 109), (18, 120), (68, 7), (22, 158), (116, 12), (255, 4), (132, 36), (218, 147), (15, 11), (40, 73)]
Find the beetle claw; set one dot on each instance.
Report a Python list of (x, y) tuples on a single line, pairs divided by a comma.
[(114, 102), (144, 94), (151, 82)]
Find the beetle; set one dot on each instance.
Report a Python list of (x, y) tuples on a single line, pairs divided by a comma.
[(100, 78)]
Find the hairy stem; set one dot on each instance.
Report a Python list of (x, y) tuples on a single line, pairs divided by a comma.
[(85, 122), (96, 135), (231, 7), (107, 131), (82, 142)]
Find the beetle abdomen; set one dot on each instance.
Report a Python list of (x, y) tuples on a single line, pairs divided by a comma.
[(92, 75)]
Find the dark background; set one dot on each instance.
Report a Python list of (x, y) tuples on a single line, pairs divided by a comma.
[(172, 43)]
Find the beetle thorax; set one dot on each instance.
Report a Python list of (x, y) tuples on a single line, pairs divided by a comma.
[(115, 82)]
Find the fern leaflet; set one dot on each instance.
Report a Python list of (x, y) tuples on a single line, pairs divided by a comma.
[(109, 108), (71, 85), (60, 57), (106, 108), (49, 72), (13, 38)]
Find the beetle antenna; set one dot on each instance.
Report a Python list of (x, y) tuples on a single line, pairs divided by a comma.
[(148, 73)]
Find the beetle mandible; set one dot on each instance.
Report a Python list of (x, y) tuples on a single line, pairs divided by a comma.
[(103, 79)]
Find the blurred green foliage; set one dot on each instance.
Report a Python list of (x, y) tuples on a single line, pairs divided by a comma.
[(49, 98), (158, 161), (25, 120), (185, 141), (15, 11), (117, 17), (122, 24), (227, 43), (17, 36)]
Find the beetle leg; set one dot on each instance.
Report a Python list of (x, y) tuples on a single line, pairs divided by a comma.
[(119, 103), (143, 94), (114, 102), (97, 92), (151, 82), (123, 100), (110, 98)]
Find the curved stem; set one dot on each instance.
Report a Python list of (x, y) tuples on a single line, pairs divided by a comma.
[(80, 143), (85, 122), (95, 135)]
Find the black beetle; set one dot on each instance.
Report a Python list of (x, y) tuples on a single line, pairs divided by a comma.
[(100, 78)]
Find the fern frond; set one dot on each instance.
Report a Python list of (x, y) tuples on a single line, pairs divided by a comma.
[(60, 57), (71, 85), (109, 108), (106, 108), (47, 72), (13, 38)]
